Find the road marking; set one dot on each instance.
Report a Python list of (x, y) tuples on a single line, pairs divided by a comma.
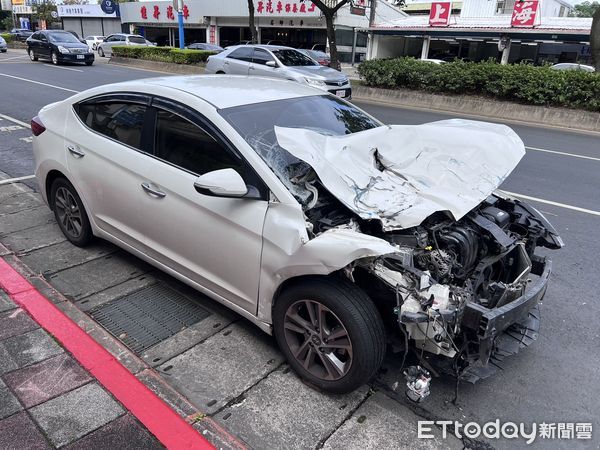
[(28, 139), (39, 82), (16, 180), (11, 128), (63, 68), (549, 202), (12, 119), (562, 153)]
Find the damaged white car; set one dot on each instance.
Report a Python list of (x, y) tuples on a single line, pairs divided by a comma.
[(336, 233)]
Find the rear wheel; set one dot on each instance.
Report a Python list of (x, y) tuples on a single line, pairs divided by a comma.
[(330, 332), (220, 72), (54, 58), (32, 55), (70, 213)]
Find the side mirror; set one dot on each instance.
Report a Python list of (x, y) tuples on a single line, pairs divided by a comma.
[(221, 183), (272, 64)]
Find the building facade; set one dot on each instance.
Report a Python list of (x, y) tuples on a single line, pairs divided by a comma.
[(295, 23), (484, 29)]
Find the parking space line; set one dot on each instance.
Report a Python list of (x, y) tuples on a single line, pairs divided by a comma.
[(12, 119), (63, 68), (38, 82), (158, 417), (13, 57), (550, 202), (16, 180), (562, 153)]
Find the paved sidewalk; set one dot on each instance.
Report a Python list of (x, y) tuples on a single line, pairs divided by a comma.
[(47, 400)]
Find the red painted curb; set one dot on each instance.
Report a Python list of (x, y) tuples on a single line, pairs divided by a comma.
[(168, 427)]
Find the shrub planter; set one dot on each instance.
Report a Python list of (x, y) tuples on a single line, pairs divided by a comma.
[(181, 69)]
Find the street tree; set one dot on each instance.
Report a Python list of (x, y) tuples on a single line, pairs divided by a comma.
[(44, 10), (595, 39), (328, 9), (75, 2), (585, 9), (251, 22)]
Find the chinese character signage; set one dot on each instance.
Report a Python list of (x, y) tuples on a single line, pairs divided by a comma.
[(439, 15), (525, 14), (282, 7), (83, 11), (169, 12)]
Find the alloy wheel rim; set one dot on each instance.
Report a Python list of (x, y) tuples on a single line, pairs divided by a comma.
[(54, 58), (31, 55), (69, 213), (318, 340)]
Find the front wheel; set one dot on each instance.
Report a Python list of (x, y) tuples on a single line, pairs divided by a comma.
[(101, 52), (54, 58), (70, 213), (89, 63), (330, 332), (32, 55)]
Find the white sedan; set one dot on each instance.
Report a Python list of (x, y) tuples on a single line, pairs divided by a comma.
[(93, 41), (304, 214)]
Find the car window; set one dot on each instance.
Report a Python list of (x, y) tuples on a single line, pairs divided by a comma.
[(137, 39), (185, 144), (89, 38), (261, 56), (242, 53), (324, 114), (117, 120), (291, 57), (63, 37)]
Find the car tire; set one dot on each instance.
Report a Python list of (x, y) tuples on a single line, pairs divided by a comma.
[(70, 213), (89, 63), (32, 55), (220, 72), (54, 58), (348, 314), (100, 52)]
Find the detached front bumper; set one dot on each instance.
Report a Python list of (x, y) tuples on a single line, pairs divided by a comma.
[(518, 320)]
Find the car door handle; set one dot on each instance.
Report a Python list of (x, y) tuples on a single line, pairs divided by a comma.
[(75, 151), (225, 63), (152, 191), (251, 68)]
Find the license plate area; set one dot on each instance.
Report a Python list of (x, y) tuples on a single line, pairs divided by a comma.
[(80, 56), (341, 93)]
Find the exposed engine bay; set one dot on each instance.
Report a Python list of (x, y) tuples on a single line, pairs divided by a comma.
[(448, 277)]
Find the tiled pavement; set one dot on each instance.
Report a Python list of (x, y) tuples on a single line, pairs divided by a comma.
[(47, 400)]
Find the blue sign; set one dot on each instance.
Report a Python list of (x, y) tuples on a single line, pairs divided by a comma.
[(109, 6)]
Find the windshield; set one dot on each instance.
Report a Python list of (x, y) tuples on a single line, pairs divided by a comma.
[(291, 57), (63, 37), (322, 113)]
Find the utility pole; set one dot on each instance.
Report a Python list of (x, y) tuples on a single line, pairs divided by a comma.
[(372, 13), (180, 22)]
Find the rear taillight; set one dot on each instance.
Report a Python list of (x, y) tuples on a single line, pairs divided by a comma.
[(37, 127)]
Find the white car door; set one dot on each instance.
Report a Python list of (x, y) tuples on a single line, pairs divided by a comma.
[(259, 65), (214, 241), (104, 142), (238, 61)]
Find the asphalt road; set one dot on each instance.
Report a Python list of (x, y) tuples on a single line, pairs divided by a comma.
[(554, 380)]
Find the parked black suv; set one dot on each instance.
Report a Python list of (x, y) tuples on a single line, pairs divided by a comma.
[(59, 47)]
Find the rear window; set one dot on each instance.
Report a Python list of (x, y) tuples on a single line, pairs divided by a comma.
[(117, 120), (137, 40)]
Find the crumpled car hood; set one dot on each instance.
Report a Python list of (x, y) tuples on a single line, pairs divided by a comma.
[(401, 174)]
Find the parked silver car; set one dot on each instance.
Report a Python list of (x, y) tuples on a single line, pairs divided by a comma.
[(3, 46), (573, 66), (279, 62), (105, 48)]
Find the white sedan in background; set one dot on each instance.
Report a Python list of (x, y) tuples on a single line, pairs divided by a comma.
[(93, 41), (304, 214)]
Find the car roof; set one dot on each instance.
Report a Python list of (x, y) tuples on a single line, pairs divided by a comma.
[(222, 91)]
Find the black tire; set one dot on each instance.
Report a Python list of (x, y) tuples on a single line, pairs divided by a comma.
[(54, 58), (89, 63), (100, 52), (79, 237), (32, 55), (220, 72), (358, 317)]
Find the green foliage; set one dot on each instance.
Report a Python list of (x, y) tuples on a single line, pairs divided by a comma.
[(7, 23), (585, 9), (517, 82), (162, 54), (7, 37)]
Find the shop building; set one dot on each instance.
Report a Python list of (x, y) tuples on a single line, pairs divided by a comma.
[(487, 29), (88, 20), (289, 22)]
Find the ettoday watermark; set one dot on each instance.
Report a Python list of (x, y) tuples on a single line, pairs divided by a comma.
[(507, 430)]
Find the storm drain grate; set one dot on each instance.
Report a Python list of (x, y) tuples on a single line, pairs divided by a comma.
[(148, 316)]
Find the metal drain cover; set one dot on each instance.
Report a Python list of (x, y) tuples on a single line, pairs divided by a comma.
[(148, 316)]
